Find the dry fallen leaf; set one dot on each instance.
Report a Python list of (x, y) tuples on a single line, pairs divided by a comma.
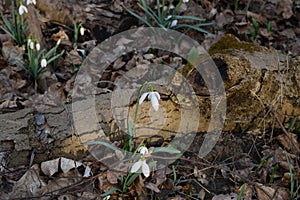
[(67, 164), (290, 142), (13, 54), (50, 167), (267, 193), (28, 185), (61, 34), (73, 58)]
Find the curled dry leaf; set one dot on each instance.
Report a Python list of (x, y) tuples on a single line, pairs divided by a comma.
[(61, 34), (27, 186), (67, 164), (73, 58), (13, 54), (267, 193), (50, 167), (289, 142)]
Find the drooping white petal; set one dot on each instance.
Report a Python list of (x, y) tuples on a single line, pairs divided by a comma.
[(31, 45), (174, 23), (38, 46), (145, 169), (185, 1), (136, 166), (168, 17), (31, 2), (143, 150), (154, 101), (107, 197), (43, 62), (81, 30), (157, 95), (58, 42), (22, 10), (143, 97)]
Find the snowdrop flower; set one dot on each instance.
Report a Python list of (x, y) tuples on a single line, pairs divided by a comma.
[(185, 1), (138, 165), (38, 46), (81, 30), (28, 41), (168, 17), (58, 42), (43, 63), (31, 44), (107, 197), (143, 150), (22, 10), (141, 163), (174, 23), (153, 97), (31, 2)]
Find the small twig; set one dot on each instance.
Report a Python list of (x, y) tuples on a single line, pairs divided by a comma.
[(284, 129), (202, 186)]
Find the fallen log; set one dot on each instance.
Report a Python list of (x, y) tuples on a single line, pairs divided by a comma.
[(256, 80)]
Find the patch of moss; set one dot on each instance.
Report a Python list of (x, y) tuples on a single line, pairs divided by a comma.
[(230, 42)]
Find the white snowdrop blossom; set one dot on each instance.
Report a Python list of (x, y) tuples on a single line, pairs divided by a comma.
[(58, 42), (141, 163), (81, 30), (31, 45), (143, 150), (153, 97), (168, 17), (174, 23), (31, 2), (28, 41), (22, 10), (185, 1), (38, 46), (43, 63), (107, 197)]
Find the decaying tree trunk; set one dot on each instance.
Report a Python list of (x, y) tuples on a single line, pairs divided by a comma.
[(257, 80)]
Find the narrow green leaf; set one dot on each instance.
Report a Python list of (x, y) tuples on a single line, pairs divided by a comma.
[(55, 57), (9, 33), (292, 124), (192, 27), (170, 150), (103, 143), (242, 191), (184, 17), (109, 192), (138, 17), (274, 171), (151, 14), (132, 178)]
